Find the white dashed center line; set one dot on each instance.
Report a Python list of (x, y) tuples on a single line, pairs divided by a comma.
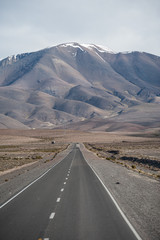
[(52, 215), (58, 199)]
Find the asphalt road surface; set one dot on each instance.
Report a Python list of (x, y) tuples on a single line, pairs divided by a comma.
[(67, 203)]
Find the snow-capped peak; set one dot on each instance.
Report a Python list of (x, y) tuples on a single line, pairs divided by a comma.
[(100, 48), (12, 58), (74, 45), (8, 60)]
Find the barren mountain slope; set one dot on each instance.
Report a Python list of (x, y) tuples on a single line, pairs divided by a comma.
[(72, 83)]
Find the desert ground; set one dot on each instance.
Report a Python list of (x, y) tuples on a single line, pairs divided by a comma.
[(137, 152)]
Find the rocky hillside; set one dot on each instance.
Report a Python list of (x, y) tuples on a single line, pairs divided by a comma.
[(72, 83)]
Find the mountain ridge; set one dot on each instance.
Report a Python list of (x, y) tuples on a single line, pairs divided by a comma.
[(75, 82)]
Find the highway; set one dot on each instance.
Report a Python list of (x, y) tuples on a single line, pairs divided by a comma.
[(67, 203)]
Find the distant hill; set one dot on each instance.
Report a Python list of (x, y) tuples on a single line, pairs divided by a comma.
[(73, 83)]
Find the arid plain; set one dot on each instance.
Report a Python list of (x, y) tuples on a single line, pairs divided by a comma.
[(137, 152)]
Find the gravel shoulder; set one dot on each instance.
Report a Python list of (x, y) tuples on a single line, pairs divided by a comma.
[(137, 195)]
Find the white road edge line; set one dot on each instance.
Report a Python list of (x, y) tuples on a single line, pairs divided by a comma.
[(62, 189), (64, 182), (116, 204), (29, 184), (46, 238), (52, 215), (58, 199)]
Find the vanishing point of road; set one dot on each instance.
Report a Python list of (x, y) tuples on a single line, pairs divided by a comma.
[(68, 202)]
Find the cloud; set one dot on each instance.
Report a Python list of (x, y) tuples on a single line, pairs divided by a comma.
[(123, 25)]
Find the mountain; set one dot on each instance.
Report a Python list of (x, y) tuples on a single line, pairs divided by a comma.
[(72, 84)]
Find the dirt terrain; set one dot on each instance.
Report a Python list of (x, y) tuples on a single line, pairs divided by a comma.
[(23, 149), (142, 157), (20, 147)]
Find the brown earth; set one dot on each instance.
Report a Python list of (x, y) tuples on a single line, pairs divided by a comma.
[(142, 157), (19, 147)]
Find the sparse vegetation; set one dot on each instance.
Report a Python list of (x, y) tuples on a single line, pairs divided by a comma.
[(2, 147), (120, 153), (33, 150), (37, 157), (133, 166), (50, 150)]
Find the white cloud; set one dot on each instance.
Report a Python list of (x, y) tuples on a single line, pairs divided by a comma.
[(123, 25)]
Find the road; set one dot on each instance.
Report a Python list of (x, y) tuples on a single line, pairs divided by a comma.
[(67, 203)]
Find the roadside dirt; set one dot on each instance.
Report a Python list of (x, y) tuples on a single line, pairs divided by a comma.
[(18, 151), (142, 157)]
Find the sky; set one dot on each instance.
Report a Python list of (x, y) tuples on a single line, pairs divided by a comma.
[(122, 25)]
